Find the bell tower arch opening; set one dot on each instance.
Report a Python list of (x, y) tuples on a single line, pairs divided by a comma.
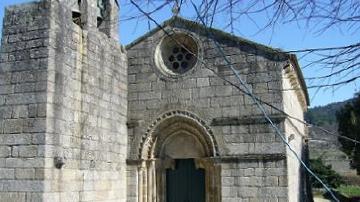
[(178, 145), (102, 15)]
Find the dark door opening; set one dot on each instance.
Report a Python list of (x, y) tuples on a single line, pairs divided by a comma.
[(185, 183)]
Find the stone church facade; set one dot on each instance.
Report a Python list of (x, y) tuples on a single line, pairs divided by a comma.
[(83, 118)]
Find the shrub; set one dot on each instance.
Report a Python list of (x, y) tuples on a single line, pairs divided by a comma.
[(325, 173)]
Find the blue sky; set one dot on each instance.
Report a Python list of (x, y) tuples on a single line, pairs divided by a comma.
[(285, 36)]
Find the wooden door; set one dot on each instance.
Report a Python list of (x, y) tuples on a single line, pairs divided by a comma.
[(185, 183)]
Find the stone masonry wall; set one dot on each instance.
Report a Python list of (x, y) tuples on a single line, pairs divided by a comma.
[(238, 126), (23, 101), (89, 112), (254, 181), (204, 93), (72, 108)]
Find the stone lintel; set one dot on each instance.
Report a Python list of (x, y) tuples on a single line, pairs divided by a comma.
[(225, 159)]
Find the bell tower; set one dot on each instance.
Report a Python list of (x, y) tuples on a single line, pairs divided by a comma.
[(63, 102)]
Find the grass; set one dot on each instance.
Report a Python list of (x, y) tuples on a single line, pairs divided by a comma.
[(349, 191), (318, 194)]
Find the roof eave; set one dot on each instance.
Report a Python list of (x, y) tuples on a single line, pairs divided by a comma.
[(175, 19), (294, 60)]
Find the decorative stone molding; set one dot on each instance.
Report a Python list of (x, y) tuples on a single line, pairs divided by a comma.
[(246, 120), (226, 159), (297, 83), (163, 64), (176, 54), (175, 135), (251, 157), (194, 122)]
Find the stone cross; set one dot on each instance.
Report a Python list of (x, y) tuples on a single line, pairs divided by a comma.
[(176, 9)]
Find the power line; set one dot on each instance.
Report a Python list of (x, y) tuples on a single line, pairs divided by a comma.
[(325, 49), (234, 85), (148, 15), (248, 92), (277, 130)]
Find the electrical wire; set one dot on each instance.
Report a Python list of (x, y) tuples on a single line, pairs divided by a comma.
[(233, 84), (255, 99), (276, 129)]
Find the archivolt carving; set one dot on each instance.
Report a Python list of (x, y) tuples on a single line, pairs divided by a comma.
[(170, 122)]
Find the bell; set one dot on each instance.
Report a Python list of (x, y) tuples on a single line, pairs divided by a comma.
[(75, 8), (76, 13), (100, 9), (99, 13)]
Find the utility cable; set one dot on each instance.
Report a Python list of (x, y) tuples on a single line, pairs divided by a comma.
[(233, 84), (256, 100), (277, 130)]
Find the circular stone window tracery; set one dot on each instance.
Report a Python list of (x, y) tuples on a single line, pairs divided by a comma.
[(176, 54)]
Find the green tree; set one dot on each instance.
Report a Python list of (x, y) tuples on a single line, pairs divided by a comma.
[(349, 125), (325, 173)]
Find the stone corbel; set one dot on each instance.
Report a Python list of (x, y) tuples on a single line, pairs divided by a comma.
[(199, 164), (167, 164), (292, 75)]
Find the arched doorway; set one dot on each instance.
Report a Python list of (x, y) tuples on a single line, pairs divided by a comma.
[(185, 183), (179, 152)]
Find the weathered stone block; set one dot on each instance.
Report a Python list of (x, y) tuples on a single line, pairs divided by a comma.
[(23, 185), (12, 197), (15, 139), (27, 173), (13, 125), (35, 125), (24, 163), (6, 173), (27, 151)]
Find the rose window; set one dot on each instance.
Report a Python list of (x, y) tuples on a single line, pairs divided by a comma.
[(176, 54)]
